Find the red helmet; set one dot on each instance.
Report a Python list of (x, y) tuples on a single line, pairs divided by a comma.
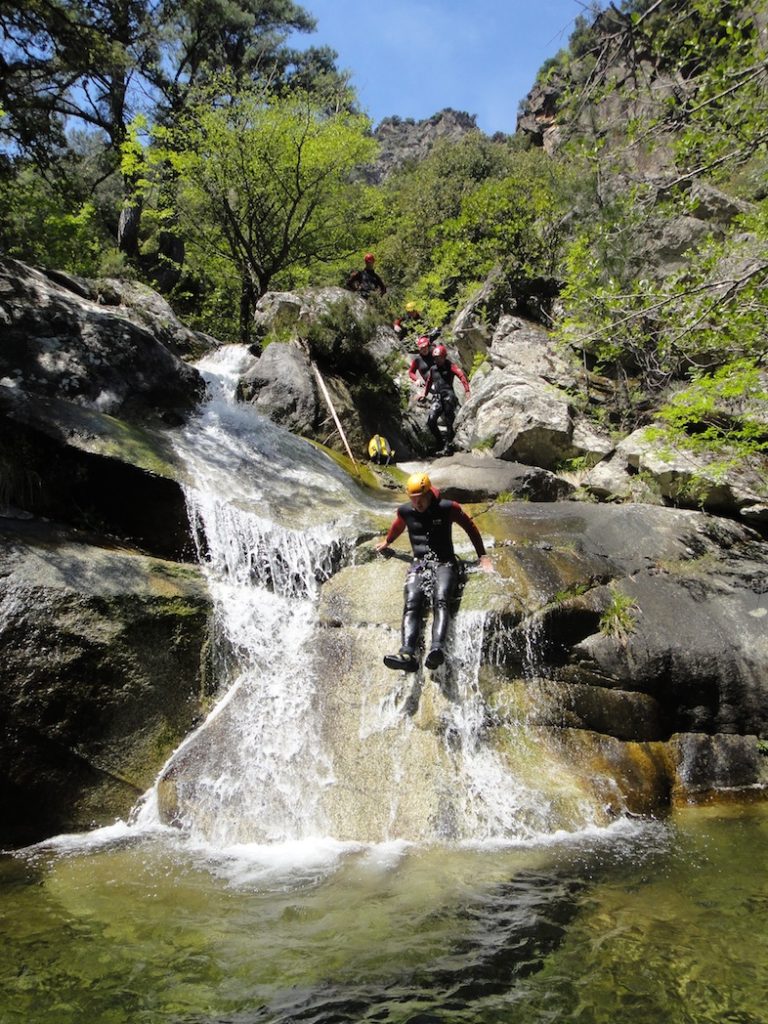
[(439, 350), (369, 258), (423, 343)]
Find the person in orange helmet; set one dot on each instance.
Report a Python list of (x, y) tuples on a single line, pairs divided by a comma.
[(434, 570), (366, 281)]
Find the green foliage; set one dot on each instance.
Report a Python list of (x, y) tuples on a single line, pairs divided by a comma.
[(721, 415), (620, 616), (478, 360), (717, 48), (40, 226), (207, 297), (570, 592), (454, 219), (263, 184), (99, 64), (338, 338), (421, 196), (705, 325)]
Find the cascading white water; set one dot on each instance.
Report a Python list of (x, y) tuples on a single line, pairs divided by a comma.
[(494, 802), (255, 495), (270, 514)]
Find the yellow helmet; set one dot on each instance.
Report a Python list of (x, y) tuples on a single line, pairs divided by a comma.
[(410, 307), (418, 483)]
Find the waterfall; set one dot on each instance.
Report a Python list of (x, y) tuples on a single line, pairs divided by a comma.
[(255, 768), (289, 752), (494, 801)]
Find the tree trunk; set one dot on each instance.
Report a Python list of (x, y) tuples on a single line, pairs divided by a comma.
[(246, 309), (128, 228), (166, 269)]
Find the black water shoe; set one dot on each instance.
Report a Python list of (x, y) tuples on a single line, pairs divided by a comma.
[(404, 661), (435, 658)]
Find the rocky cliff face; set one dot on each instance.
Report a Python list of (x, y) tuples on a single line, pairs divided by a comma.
[(103, 631), (404, 140)]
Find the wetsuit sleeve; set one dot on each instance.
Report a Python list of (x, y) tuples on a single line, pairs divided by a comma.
[(428, 382), (412, 371), (458, 515), (458, 372), (397, 527)]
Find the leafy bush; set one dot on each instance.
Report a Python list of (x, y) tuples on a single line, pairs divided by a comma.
[(42, 227), (338, 338)]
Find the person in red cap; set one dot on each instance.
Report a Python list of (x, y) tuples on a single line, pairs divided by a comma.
[(439, 381), (366, 281), (422, 362), (434, 571)]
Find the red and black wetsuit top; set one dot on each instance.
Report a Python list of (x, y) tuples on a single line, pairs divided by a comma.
[(440, 378), (420, 365), (430, 531)]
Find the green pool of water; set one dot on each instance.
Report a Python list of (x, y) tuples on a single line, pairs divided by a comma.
[(650, 922)]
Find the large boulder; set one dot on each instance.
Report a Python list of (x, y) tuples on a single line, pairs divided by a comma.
[(58, 342), (149, 309), (615, 661), (523, 418), (321, 350), (524, 347), (71, 464), (632, 713), (475, 476), (105, 670), (282, 387), (681, 476)]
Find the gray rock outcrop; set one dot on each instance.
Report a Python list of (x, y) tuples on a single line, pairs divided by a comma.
[(57, 342), (104, 646), (403, 140), (105, 670)]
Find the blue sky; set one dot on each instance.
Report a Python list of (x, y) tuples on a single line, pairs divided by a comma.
[(415, 57)]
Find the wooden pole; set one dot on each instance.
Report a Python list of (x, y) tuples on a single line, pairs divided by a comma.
[(336, 420)]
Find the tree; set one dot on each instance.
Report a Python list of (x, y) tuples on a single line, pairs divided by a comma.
[(694, 77), (500, 207), (264, 184), (98, 64), (422, 196)]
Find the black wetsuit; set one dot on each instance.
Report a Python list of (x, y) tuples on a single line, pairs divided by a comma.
[(439, 381), (366, 281), (434, 570)]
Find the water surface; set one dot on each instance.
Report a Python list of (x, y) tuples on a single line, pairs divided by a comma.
[(644, 922)]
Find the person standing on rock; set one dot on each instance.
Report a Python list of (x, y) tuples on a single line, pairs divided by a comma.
[(439, 381), (366, 281), (422, 362), (434, 570), (409, 321)]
